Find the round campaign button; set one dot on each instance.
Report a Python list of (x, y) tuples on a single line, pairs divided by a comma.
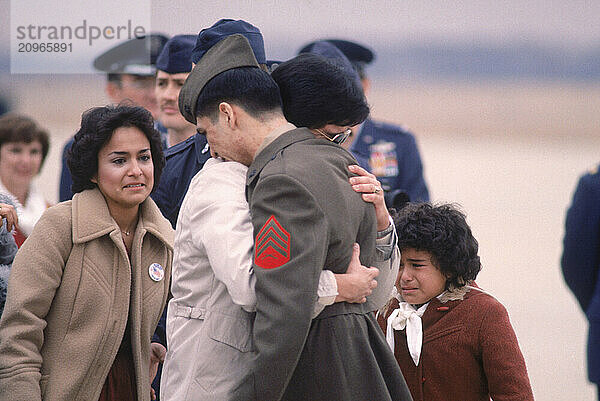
[(156, 272)]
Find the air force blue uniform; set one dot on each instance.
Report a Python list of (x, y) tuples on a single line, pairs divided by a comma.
[(64, 190), (390, 153), (581, 260)]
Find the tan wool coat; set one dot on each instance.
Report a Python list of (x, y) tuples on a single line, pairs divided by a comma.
[(71, 294)]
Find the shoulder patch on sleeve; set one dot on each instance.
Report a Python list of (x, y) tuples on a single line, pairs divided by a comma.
[(272, 245)]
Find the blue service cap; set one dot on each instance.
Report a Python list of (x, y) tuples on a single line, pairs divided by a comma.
[(358, 55), (328, 50), (208, 37), (136, 56), (352, 50), (175, 56)]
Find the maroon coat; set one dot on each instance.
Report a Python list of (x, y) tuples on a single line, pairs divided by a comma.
[(470, 353)]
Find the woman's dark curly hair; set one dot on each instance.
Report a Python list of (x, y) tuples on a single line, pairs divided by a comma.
[(317, 91), (441, 230), (97, 126)]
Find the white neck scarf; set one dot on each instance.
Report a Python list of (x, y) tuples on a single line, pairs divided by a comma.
[(406, 316)]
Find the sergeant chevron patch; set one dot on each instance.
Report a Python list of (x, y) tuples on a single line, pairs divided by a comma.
[(272, 245)]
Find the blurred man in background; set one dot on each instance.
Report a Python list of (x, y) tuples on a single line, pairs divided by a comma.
[(388, 151), (172, 68), (130, 69)]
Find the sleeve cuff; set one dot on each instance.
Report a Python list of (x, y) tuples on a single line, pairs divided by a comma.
[(389, 229), (385, 243), (327, 290)]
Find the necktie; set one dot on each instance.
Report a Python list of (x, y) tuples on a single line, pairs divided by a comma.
[(406, 316)]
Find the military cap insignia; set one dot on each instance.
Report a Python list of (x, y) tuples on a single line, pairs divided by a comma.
[(272, 245)]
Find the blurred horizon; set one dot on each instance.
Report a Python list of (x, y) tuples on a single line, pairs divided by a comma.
[(437, 60), (414, 39)]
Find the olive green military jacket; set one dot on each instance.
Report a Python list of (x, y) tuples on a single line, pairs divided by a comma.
[(305, 217)]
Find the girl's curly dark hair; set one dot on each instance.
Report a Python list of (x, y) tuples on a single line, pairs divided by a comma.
[(441, 230)]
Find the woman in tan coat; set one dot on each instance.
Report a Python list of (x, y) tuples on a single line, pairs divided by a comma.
[(89, 284)]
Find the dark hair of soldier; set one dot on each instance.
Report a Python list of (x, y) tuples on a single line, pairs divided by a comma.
[(248, 87)]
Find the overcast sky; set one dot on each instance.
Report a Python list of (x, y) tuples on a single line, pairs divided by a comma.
[(572, 23), (289, 24)]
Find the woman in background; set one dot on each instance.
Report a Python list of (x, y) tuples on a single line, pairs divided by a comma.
[(23, 149), (88, 286)]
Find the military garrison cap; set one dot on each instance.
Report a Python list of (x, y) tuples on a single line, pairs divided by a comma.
[(175, 56), (232, 52), (208, 37), (136, 56)]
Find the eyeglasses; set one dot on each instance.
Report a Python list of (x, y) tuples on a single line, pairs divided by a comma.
[(338, 138)]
